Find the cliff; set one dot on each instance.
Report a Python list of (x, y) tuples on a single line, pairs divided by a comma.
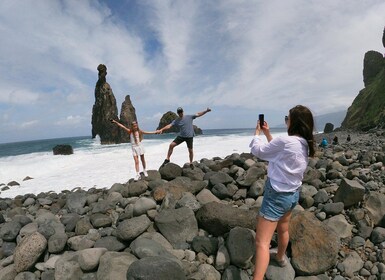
[(368, 108)]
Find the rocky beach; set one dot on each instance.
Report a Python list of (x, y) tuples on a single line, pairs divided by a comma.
[(199, 223)]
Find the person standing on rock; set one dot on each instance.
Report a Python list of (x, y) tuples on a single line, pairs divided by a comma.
[(348, 138), (288, 160), (186, 134), (136, 137)]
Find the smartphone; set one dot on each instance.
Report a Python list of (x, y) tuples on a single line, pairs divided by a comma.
[(261, 118)]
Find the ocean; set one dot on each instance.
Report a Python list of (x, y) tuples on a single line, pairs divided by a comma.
[(100, 166)]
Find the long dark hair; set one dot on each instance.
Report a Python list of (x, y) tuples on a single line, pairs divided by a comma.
[(302, 124), (139, 130)]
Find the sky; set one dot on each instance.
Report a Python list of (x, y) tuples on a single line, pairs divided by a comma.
[(240, 58)]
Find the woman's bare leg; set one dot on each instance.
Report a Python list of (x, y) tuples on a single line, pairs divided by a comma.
[(264, 233), (283, 235), (136, 159)]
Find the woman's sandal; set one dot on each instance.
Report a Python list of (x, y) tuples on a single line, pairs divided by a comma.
[(281, 263)]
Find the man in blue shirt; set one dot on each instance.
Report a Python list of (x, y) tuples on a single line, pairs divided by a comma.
[(186, 133)]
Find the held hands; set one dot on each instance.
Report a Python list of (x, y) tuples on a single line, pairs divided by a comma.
[(208, 110)]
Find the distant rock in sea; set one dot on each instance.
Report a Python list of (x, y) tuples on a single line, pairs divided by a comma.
[(63, 149)]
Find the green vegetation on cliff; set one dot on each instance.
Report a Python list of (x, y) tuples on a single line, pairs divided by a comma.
[(368, 108)]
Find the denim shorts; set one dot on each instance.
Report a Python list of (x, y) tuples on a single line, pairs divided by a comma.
[(276, 204)]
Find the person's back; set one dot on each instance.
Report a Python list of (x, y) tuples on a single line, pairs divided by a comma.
[(185, 125)]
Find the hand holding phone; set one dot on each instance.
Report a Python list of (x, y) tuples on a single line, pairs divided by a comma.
[(261, 118)]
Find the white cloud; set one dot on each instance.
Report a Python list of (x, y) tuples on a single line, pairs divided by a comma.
[(250, 55), (70, 121), (18, 96), (29, 124)]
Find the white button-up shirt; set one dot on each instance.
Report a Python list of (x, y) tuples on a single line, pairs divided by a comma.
[(287, 157)]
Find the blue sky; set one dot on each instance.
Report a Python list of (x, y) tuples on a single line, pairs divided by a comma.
[(240, 58)]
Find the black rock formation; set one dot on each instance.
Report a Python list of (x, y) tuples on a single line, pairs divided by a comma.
[(373, 64), (328, 128), (127, 115), (103, 110), (63, 150), (166, 119)]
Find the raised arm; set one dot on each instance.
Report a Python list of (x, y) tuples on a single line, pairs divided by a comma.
[(199, 114), (265, 129), (122, 126)]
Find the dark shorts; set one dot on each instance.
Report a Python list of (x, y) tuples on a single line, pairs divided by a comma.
[(188, 140)]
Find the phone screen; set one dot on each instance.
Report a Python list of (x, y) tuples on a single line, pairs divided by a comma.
[(261, 119)]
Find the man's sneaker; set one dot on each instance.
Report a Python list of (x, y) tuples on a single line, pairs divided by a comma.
[(137, 177), (145, 173), (165, 162), (191, 166)]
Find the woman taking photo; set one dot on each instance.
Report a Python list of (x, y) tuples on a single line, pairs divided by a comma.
[(288, 159)]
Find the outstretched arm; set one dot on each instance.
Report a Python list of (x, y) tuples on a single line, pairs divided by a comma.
[(164, 128), (199, 114), (122, 126), (149, 132)]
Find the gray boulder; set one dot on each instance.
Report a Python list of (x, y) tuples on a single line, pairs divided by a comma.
[(151, 268), (350, 192), (251, 175), (220, 178), (205, 244), (375, 205), (114, 265), (76, 202), (378, 235), (241, 246), (67, 267), (178, 226), (129, 229), (28, 251), (314, 245), (170, 171), (144, 247), (339, 225), (218, 218), (134, 189), (89, 258), (111, 243), (10, 230), (234, 273), (57, 242)]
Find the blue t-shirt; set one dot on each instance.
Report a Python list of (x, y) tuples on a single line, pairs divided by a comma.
[(185, 125)]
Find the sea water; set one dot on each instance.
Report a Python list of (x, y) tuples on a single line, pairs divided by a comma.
[(100, 166)]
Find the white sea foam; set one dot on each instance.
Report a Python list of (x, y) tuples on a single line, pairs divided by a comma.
[(103, 165)]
